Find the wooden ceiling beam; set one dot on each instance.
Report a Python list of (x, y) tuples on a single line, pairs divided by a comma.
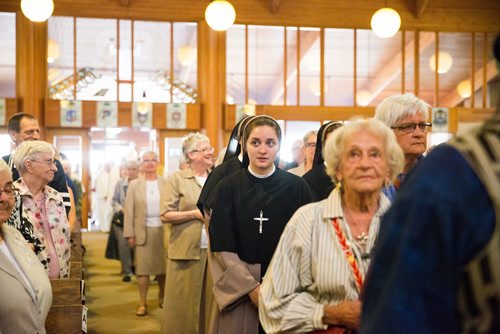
[(420, 6), (275, 6)]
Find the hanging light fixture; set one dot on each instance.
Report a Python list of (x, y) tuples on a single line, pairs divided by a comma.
[(37, 10), (52, 51), (186, 55), (385, 22), (445, 61), (464, 89), (220, 15), (363, 98)]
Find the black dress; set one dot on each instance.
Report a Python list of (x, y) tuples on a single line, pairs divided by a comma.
[(319, 181), (250, 213)]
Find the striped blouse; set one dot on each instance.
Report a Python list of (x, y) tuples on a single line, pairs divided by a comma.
[(309, 269)]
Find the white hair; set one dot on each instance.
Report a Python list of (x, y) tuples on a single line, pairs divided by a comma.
[(336, 142), (29, 150), (394, 108), (189, 143)]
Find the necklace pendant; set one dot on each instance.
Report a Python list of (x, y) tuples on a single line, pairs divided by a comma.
[(362, 238)]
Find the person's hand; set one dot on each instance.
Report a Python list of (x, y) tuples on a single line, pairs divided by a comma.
[(131, 241), (254, 296), (346, 313), (198, 215)]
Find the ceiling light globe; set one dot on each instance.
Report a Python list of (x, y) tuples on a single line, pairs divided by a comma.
[(363, 98), (385, 22), (445, 62), (37, 10), (220, 15), (464, 89)]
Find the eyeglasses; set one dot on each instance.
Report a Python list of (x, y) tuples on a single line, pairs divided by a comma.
[(8, 191), (49, 163), (313, 145), (410, 127), (153, 160), (208, 149)]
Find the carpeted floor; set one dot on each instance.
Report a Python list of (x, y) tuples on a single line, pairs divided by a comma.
[(112, 303)]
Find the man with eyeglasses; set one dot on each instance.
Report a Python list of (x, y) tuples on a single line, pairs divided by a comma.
[(23, 127), (309, 149), (408, 116)]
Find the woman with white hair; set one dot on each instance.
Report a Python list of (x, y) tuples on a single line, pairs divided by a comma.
[(144, 229), (43, 205), (188, 242), (25, 292), (408, 116), (317, 271)]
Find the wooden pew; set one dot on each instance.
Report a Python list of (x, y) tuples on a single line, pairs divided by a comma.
[(68, 297), (65, 315)]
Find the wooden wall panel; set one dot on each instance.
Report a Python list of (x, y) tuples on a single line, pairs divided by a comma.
[(125, 114), (10, 108), (89, 115)]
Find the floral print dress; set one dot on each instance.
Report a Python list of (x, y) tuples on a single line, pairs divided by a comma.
[(54, 235)]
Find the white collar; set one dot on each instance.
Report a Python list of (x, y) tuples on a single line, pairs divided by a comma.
[(260, 176)]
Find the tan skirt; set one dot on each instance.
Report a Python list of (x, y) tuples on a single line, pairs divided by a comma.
[(150, 259)]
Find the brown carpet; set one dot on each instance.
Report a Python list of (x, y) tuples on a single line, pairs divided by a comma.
[(112, 303)]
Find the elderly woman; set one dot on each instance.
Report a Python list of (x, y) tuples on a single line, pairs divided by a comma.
[(187, 249), (43, 206), (251, 209), (144, 230), (317, 271), (408, 116), (309, 148), (25, 292)]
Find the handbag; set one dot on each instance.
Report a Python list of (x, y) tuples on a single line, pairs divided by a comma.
[(117, 218)]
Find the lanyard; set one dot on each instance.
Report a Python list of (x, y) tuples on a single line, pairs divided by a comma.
[(351, 259)]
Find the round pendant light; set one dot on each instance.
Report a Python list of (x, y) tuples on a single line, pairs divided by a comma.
[(445, 61), (385, 22), (186, 55), (464, 89), (363, 98), (37, 10), (52, 51), (220, 15)]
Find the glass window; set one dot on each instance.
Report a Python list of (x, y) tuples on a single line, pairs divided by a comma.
[(339, 67), (378, 67), (291, 66), (310, 66), (235, 65), (454, 48), (184, 85), (71, 146), (265, 64), (8, 55), (409, 74), (151, 61), (427, 76), (96, 59), (60, 57), (173, 155)]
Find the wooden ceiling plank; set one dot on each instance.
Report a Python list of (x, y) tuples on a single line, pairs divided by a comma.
[(420, 7), (275, 6)]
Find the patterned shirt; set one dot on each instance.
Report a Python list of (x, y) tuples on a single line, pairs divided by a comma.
[(309, 269), (57, 221)]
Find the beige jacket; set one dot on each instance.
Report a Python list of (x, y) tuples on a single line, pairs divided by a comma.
[(136, 209), (181, 194)]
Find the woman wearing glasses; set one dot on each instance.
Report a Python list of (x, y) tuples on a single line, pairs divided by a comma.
[(43, 206), (144, 230), (25, 291), (188, 242), (407, 116)]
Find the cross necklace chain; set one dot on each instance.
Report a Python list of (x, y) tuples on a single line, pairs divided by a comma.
[(260, 219), (362, 238)]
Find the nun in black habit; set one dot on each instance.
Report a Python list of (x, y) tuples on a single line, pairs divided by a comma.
[(250, 210), (232, 162), (317, 178)]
